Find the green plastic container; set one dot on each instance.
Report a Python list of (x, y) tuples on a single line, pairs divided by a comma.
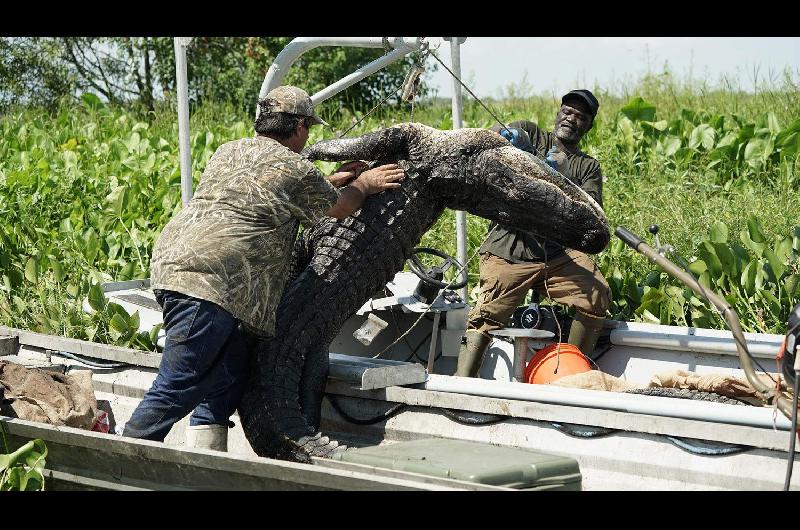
[(474, 462)]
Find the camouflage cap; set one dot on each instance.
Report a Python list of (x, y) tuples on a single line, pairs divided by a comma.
[(292, 100)]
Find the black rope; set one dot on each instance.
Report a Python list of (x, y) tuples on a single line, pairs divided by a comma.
[(396, 409), (397, 325), (467, 420), (698, 447), (472, 94), (436, 357), (597, 357), (412, 349), (417, 347), (365, 421), (709, 449), (372, 110), (582, 431), (93, 364)]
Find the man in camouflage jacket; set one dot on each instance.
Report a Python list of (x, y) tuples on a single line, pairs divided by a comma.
[(220, 265), (514, 262)]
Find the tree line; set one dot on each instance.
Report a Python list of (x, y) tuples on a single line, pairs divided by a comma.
[(140, 71)]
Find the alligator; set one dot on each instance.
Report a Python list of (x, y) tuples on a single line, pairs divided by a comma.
[(339, 264)]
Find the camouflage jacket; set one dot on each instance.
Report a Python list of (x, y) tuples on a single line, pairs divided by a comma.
[(232, 243)]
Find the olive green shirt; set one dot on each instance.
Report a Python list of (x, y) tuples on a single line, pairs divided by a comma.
[(519, 246), (231, 245)]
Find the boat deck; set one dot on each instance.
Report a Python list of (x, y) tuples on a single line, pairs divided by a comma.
[(622, 441)]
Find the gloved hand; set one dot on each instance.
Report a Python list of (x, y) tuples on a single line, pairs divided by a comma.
[(555, 158), (518, 137)]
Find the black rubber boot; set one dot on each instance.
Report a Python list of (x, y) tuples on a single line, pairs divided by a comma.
[(585, 331), (471, 356)]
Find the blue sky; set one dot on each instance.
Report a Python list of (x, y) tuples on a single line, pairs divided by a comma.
[(554, 65)]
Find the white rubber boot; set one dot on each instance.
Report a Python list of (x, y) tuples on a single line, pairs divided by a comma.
[(213, 437)]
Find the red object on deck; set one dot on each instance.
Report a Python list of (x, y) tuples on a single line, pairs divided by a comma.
[(567, 357)]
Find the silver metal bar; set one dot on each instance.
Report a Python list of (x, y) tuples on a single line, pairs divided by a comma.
[(520, 356), (358, 75), (183, 118), (104, 352), (692, 343), (527, 410), (461, 216), (434, 340), (280, 66), (522, 338), (656, 406), (110, 287), (370, 374)]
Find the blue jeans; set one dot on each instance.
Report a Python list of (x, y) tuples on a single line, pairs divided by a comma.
[(202, 368)]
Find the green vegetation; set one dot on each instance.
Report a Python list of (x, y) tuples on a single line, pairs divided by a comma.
[(86, 188), (140, 71), (22, 470)]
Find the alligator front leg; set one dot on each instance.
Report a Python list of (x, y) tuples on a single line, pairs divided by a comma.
[(386, 143)]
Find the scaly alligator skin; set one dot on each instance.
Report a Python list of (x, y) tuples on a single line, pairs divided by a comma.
[(339, 265)]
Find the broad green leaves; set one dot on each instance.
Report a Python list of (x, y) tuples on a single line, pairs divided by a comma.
[(32, 270), (117, 200), (92, 101), (761, 280), (719, 233), (733, 151), (702, 135), (97, 299), (788, 140), (86, 188), (638, 109), (758, 150), (22, 470)]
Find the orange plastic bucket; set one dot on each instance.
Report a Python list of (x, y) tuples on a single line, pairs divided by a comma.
[(567, 357)]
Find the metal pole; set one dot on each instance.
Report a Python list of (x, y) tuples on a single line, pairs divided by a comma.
[(437, 316), (280, 66), (578, 397), (461, 216), (358, 75), (520, 357), (183, 118)]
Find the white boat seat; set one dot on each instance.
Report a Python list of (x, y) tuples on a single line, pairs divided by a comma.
[(522, 341)]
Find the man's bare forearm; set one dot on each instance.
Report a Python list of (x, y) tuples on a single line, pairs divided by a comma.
[(350, 199), (341, 179), (368, 183)]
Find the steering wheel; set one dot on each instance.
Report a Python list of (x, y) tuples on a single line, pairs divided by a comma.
[(433, 275)]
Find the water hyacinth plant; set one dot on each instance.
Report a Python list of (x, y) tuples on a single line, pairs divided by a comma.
[(86, 188)]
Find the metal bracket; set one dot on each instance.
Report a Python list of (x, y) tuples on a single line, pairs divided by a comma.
[(369, 374)]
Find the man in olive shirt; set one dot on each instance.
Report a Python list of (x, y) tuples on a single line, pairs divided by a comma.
[(513, 261), (220, 265)]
